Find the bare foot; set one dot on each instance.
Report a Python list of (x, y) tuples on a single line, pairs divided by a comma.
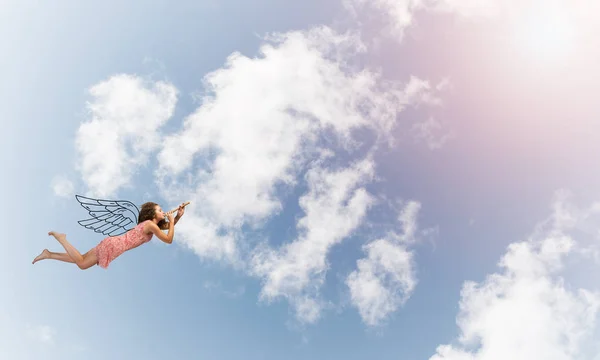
[(44, 255), (58, 236)]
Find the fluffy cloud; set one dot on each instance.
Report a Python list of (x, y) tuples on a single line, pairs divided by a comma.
[(265, 127), (62, 186), (470, 8), (126, 114), (262, 123), (432, 132), (400, 12), (386, 278), (528, 311), (335, 205)]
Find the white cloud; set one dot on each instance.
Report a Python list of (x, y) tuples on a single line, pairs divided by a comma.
[(432, 133), (62, 186), (530, 311), (260, 125), (419, 91), (42, 333), (126, 114), (335, 205), (400, 12), (470, 8), (399, 15), (385, 278), (408, 221)]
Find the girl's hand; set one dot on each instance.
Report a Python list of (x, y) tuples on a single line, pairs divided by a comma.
[(170, 217), (180, 211)]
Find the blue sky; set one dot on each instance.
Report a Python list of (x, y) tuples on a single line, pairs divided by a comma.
[(350, 172)]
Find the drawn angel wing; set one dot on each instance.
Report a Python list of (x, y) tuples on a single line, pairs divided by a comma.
[(109, 217)]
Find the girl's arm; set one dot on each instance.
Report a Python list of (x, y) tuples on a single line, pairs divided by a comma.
[(180, 213), (165, 226), (168, 237)]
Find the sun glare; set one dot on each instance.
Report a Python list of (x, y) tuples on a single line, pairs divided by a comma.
[(546, 34)]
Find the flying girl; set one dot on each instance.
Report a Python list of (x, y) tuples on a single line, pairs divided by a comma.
[(151, 221)]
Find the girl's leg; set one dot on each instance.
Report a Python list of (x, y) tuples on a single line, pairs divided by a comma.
[(73, 253), (83, 261), (89, 258), (54, 256)]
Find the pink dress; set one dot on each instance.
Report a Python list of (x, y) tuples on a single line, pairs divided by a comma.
[(111, 247)]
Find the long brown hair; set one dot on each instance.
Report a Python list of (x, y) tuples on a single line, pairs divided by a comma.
[(148, 212)]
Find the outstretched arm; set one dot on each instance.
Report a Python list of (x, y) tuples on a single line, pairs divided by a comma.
[(168, 237)]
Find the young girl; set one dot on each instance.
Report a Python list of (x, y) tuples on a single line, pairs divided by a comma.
[(151, 221)]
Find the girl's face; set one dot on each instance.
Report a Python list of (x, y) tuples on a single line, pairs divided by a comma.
[(158, 213)]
